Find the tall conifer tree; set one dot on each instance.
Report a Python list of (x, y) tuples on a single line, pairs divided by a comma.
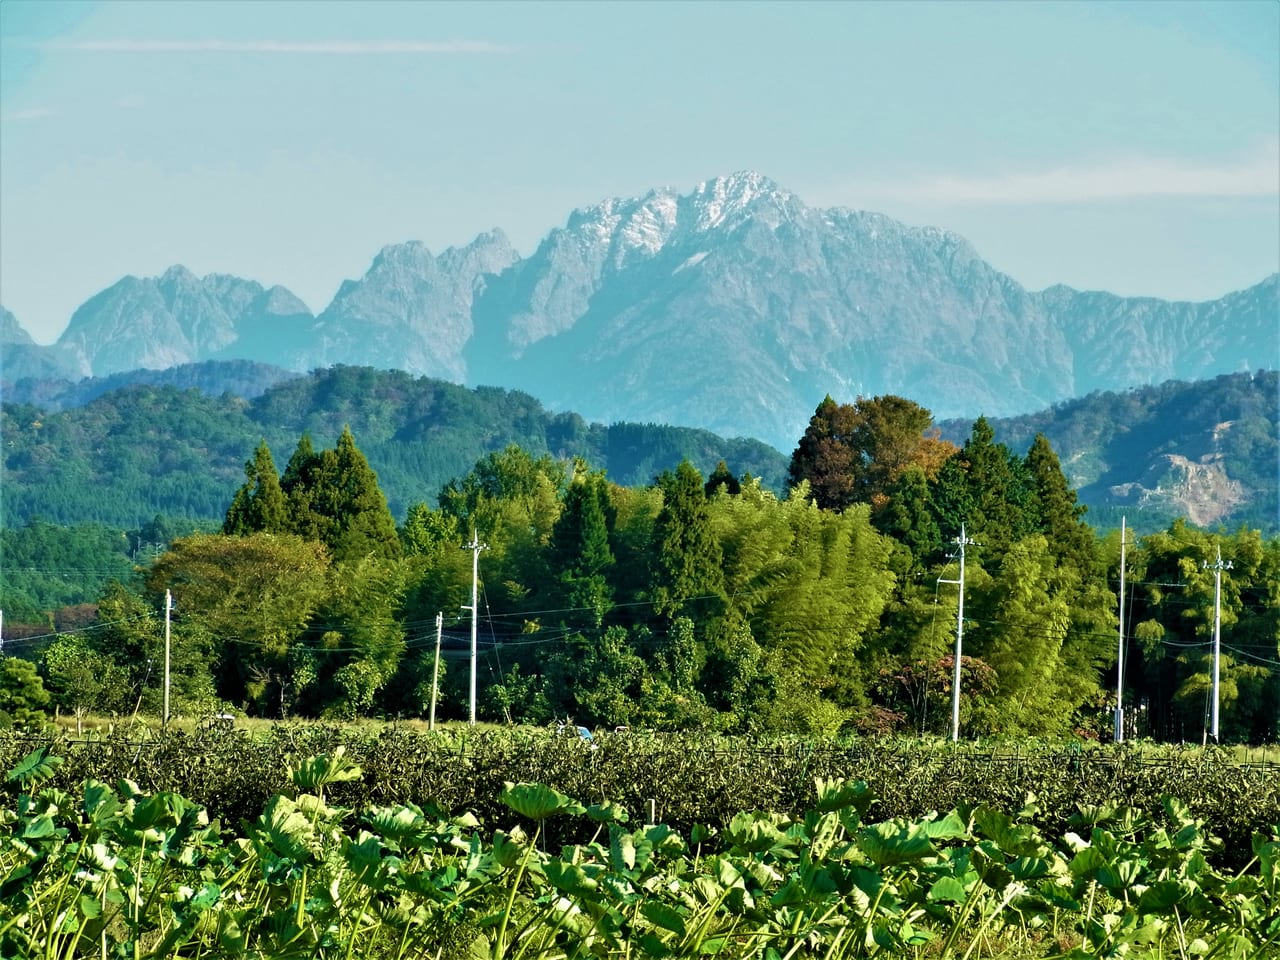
[(688, 560), (259, 506), (580, 555), (298, 484), (1060, 516), (347, 495)]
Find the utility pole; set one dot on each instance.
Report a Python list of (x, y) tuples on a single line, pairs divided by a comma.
[(168, 606), (1119, 733), (435, 673), (1218, 567), (475, 546), (960, 541), (1, 633)]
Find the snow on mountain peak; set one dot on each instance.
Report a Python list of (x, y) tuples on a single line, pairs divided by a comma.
[(724, 197), (642, 226), (649, 224)]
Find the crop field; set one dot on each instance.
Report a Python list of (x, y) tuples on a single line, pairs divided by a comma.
[(311, 841)]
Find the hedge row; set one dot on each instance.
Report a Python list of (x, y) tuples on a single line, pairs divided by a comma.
[(691, 779)]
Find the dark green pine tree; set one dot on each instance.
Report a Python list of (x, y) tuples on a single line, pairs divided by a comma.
[(951, 497), (909, 517), (988, 489), (236, 523), (301, 474), (580, 555), (687, 560), (722, 479), (347, 496), (1060, 517), (260, 505)]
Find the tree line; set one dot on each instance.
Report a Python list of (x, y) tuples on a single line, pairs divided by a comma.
[(693, 602)]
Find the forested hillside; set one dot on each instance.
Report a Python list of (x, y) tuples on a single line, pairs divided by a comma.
[(121, 450), (241, 378), (132, 453), (1206, 450)]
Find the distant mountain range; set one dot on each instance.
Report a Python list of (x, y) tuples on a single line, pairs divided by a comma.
[(734, 308)]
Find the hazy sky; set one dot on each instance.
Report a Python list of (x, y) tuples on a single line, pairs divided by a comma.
[(1133, 147)]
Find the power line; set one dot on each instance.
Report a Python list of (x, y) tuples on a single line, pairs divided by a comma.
[(1252, 656)]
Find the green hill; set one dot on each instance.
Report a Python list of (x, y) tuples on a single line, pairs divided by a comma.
[(1205, 450), (143, 450)]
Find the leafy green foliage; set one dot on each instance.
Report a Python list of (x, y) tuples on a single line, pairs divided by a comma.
[(678, 605), (686, 557), (140, 873), (23, 698), (47, 567), (259, 506), (84, 680), (255, 596)]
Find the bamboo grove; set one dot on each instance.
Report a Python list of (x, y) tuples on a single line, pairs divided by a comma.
[(693, 602)]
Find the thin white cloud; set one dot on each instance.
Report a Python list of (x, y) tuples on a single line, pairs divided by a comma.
[(27, 116), (330, 47), (1125, 179)]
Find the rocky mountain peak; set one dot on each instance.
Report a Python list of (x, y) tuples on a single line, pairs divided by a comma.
[(491, 239), (178, 276), (726, 201), (11, 331), (283, 302), (411, 310), (411, 256), (489, 253), (730, 306)]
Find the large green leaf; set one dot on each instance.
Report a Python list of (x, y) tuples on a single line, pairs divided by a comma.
[(889, 843), (317, 772), (666, 917), (537, 801), (35, 766), (571, 878), (838, 793), (947, 889), (287, 831), (608, 813)]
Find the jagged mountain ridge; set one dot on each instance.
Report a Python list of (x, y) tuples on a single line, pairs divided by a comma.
[(410, 311), (734, 307)]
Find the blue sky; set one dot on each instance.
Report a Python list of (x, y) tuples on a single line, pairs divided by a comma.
[(1133, 147)]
